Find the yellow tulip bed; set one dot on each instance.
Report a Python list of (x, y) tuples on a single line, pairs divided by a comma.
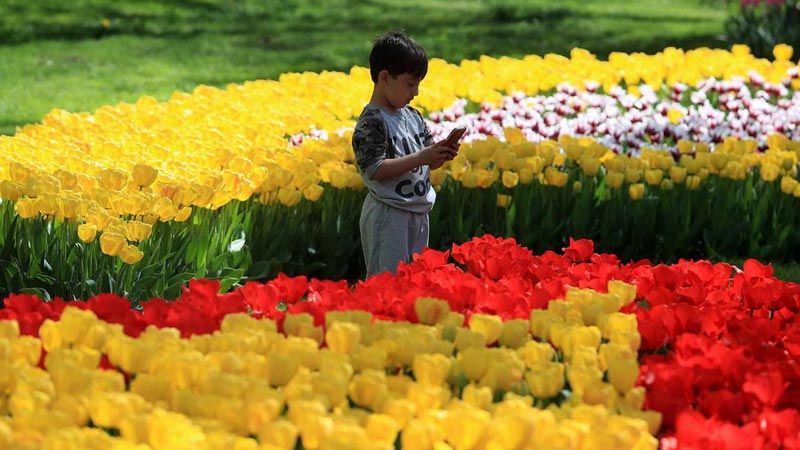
[(562, 377), (140, 197)]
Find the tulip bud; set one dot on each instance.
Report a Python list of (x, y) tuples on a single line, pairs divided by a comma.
[(281, 433), (431, 369), (487, 325), (130, 254), (545, 380), (183, 214), (113, 179), (537, 353), (622, 373), (466, 428), (503, 200), (514, 333), (144, 175), (10, 190), (343, 337), (313, 192), (510, 179), (87, 232), (112, 243), (430, 311), (382, 428), (480, 397), (626, 292), (614, 179)]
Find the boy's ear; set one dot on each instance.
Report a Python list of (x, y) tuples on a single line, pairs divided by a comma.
[(383, 76)]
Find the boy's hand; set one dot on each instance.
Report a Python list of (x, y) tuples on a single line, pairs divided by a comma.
[(436, 155)]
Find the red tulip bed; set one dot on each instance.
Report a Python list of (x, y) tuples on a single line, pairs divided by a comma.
[(719, 345)]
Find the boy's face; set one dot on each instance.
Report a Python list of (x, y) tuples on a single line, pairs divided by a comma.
[(399, 90)]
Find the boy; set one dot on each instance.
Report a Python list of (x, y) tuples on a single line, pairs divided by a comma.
[(395, 153)]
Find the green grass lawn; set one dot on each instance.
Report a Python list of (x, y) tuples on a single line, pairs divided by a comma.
[(81, 54)]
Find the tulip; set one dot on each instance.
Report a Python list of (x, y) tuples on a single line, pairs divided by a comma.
[(130, 254), (545, 380), (514, 333), (554, 177), (466, 428), (431, 369), (112, 243), (10, 190), (622, 373), (343, 337), (615, 179), (144, 175), (636, 191), (183, 214), (510, 179), (480, 397), (87, 232), (503, 200), (430, 311)]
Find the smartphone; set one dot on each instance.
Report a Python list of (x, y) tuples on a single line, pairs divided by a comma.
[(455, 135)]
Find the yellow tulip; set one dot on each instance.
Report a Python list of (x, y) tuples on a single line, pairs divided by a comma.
[(599, 393), (112, 243), (368, 389), (488, 325), (770, 172), (537, 353), (545, 380), (614, 180), (589, 165), (466, 428), (313, 192), (26, 208), (510, 179), (554, 177), (653, 177), (183, 214), (479, 396), (10, 190), (674, 115), (431, 311), (431, 369), (113, 179), (382, 428), (636, 191), (503, 200), (87, 232), (144, 175), (782, 52), (343, 337), (130, 254), (281, 433), (677, 174), (514, 333), (137, 231), (788, 184)]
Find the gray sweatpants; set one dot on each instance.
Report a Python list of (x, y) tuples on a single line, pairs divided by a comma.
[(390, 235)]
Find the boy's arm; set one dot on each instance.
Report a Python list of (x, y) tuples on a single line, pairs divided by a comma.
[(371, 143), (393, 168)]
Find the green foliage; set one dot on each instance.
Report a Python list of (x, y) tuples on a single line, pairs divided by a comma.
[(765, 25)]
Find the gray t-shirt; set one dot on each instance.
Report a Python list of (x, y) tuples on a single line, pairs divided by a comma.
[(379, 135)]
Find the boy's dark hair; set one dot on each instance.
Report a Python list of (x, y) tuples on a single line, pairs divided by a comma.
[(397, 53)]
